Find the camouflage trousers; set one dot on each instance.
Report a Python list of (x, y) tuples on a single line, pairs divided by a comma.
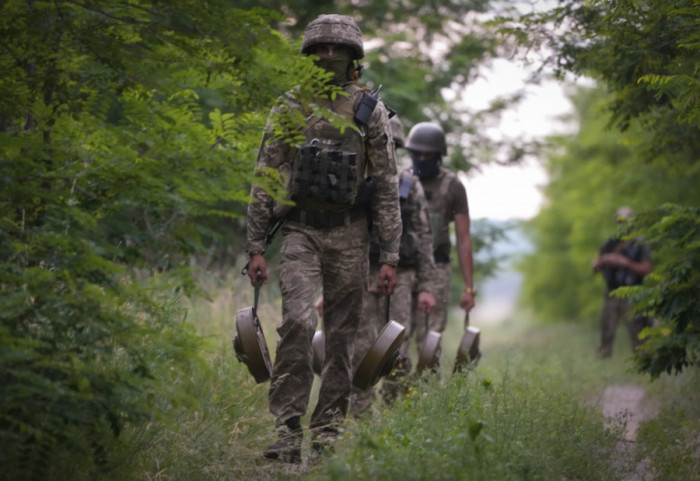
[(437, 320), (335, 259), (616, 309), (372, 321)]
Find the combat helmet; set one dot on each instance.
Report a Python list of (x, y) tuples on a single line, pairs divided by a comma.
[(397, 131), (336, 29), (427, 137)]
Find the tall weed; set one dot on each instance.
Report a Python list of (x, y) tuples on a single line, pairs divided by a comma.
[(521, 415), (529, 411)]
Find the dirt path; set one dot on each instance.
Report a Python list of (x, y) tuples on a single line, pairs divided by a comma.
[(626, 403)]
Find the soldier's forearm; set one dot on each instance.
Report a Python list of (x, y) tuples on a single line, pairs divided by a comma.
[(258, 220)]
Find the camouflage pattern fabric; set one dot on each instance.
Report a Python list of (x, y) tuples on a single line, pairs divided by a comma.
[(335, 29), (335, 259), (437, 320), (446, 197), (420, 223), (616, 310), (402, 305), (377, 161)]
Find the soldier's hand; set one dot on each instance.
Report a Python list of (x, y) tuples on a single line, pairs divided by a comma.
[(467, 301), (387, 279), (257, 270), (426, 302), (614, 259)]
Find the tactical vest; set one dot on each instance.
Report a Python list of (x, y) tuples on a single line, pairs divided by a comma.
[(621, 276), (410, 244), (440, 224), (329, 167)]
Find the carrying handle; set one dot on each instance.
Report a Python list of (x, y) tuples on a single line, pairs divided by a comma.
[(270, 235), (257, 296), (386, 315)]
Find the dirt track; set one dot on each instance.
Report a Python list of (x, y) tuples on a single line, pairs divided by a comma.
[(626, 403)]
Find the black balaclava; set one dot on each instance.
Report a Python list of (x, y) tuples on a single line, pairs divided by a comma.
[(339, 64), (428, 168)]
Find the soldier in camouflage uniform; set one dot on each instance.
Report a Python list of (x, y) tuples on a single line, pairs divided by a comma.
[(447, 203), (622, 263), (414, 272), (325, 238)]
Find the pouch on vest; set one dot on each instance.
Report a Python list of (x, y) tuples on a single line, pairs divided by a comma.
[(365, 108), (409, 245), (327, 175), (327, 170), (408, 249)]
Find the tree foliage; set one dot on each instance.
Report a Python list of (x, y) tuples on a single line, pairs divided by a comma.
[(417, 50), (128, 133), (672, 293), (646, 56)]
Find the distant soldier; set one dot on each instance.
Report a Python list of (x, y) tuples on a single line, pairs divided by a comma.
[(447, 202), (415, 271), (622, 263), (325, 238)]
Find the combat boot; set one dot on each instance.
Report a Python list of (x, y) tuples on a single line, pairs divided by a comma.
[(287, 449)]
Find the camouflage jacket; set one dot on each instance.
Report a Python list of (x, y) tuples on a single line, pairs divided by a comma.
[(377, 161), (419, 224)]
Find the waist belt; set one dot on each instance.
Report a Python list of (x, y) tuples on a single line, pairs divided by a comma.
[(324, 219), (441, 257)]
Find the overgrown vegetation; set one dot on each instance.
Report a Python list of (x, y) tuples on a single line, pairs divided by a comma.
[(128, 132), (672, 294), (126, 148), (531, 410), (645, 58)]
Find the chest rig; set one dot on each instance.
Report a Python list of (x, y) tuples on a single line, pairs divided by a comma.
[(329, 167), (410, 243), (437, 192), (620, 276)]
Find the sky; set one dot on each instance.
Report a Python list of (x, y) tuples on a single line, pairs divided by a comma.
[(507, 193), (504, 193)]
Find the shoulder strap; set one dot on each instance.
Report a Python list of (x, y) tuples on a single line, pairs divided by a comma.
[(446, 183), (405, 185)]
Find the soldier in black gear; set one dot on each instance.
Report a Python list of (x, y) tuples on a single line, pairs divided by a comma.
[(622, 263)]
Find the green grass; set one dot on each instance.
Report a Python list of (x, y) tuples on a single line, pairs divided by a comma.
[(670, 443), (529, 411)]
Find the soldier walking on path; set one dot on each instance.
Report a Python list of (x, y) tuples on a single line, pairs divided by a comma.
[(414, 272), (325, 238), (447, 202), (622, 263)]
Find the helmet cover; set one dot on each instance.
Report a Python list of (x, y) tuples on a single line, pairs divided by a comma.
[(334, 29)]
